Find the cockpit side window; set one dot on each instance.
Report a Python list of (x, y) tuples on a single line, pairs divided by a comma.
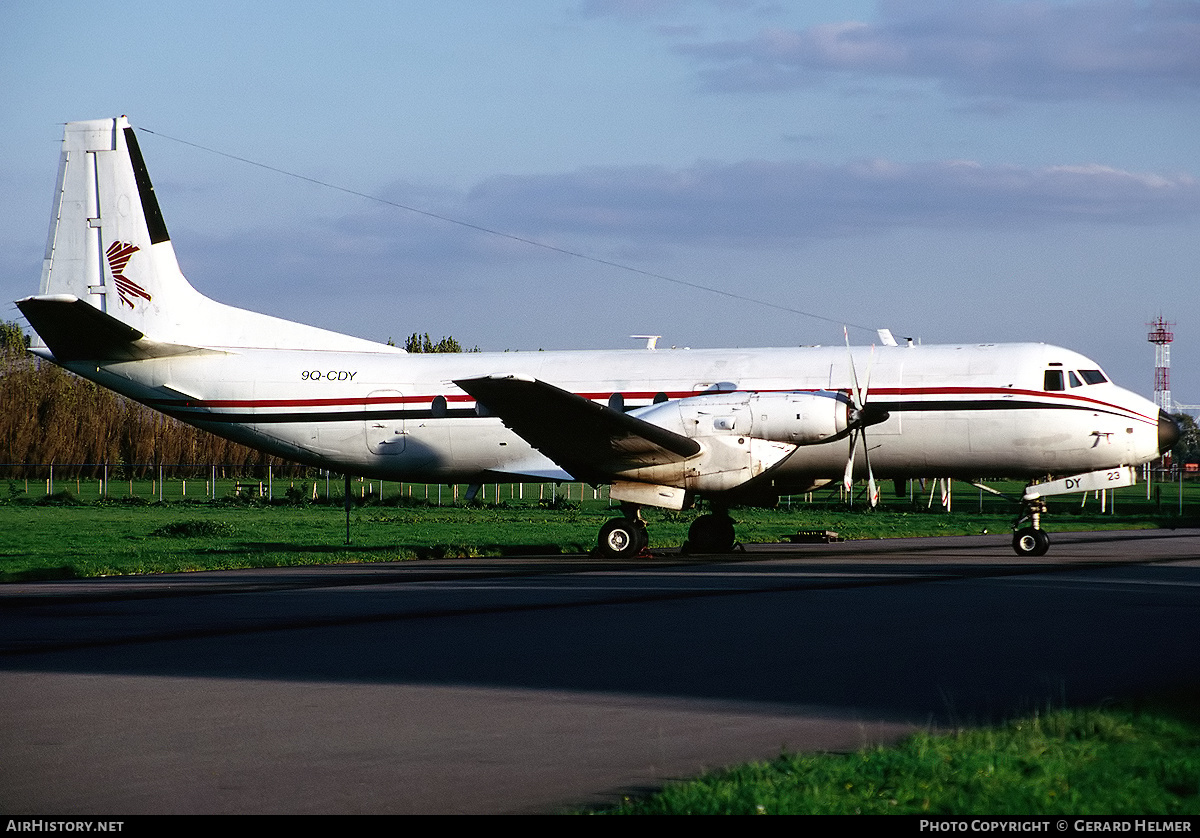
[(1074, 379), (1054, 380), (1093, 376)]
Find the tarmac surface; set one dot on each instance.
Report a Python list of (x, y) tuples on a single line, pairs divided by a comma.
[(526, 685)]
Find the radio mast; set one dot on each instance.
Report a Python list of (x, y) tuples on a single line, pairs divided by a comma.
[(1161, 337)]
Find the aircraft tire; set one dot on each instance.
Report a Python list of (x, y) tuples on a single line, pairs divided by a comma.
[(622, 538), (711, 534), (1031, 542)]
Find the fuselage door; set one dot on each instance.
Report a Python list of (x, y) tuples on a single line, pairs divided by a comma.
[(384, 422)]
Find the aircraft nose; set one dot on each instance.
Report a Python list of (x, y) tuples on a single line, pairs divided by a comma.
[(1168, 432)]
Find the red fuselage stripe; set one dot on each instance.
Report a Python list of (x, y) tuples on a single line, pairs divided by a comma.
[(890, 393)]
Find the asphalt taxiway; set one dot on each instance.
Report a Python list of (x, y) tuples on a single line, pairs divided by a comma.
[(537, 684)]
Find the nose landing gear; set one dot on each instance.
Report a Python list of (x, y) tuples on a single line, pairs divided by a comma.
[(1031, 540)]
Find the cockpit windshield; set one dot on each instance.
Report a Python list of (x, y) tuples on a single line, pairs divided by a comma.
[(1057, 379)]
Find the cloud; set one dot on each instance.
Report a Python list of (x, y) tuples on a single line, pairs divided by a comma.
[(1035, 50), (759, 203)]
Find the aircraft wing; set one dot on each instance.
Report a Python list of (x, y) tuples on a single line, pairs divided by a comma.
[(591, 441)]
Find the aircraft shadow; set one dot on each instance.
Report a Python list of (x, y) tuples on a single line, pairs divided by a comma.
[(963, 650)]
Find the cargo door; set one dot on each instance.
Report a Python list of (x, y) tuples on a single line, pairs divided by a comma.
[(384, 422)]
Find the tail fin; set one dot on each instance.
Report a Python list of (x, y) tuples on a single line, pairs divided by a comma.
[(109, 247)]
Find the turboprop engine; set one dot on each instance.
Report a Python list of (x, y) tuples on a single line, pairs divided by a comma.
[(807, 417), (742, 435)]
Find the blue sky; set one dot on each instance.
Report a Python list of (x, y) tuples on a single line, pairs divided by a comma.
[(982, 172)]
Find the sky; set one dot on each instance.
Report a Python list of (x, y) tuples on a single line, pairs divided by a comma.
[(718, 172)]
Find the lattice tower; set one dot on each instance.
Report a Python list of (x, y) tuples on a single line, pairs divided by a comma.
[(1161, 337)]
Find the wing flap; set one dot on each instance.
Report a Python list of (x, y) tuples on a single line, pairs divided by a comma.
[(591, 441)]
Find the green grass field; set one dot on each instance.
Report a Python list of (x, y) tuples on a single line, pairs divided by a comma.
[(1139, 759), (76, 531)]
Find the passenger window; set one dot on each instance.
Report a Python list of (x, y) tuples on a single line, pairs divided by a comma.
[(617, 402), (1054, 380), (1074, 379)]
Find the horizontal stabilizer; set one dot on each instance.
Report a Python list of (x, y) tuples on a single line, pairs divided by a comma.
[(76, 331), (589, 440)]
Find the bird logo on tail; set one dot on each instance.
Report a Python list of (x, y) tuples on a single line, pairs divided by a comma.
[(119, 254)]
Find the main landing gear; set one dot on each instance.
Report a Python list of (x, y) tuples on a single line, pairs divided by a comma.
[(711, 533), (626, 537)]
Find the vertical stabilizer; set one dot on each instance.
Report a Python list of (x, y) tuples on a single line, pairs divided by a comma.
[(109, 247), (108, 243)]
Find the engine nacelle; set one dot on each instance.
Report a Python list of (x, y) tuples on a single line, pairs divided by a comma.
[(742, 436), (807, 417), (801, 417), (711, 414)]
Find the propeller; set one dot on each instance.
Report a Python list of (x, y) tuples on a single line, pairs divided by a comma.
[(858, 418)]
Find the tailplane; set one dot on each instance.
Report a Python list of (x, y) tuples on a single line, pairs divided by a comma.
[(109, 249)]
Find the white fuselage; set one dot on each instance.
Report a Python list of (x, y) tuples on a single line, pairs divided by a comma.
[(967, 411)]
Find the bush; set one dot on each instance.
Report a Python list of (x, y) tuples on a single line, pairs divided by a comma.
[(196, 528)]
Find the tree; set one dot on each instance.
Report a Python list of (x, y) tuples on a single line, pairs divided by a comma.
[(1187, 450), (421, 344), (12, 337), (49, 416)]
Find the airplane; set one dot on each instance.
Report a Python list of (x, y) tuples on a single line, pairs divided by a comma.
[(661, 428)]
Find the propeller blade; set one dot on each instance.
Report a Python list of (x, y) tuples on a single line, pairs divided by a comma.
[(858, 397), (870, 365), (856, 393), (872, 489), (848, 479)]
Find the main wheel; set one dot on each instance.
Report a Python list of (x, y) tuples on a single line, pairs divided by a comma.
[(711, 534), (622, 538), (1031, 542)]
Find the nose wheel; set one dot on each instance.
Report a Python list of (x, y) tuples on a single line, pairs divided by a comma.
[(1030, 540)]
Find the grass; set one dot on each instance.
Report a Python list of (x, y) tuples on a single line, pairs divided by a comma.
[(65, 535), (1133, 760)]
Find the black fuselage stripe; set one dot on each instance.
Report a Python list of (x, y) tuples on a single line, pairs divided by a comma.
[(302, 417), (322, 417)]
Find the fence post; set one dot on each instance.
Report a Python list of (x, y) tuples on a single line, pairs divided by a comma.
[(347, 503)]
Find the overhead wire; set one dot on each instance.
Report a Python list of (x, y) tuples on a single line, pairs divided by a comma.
[(510, 236)]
